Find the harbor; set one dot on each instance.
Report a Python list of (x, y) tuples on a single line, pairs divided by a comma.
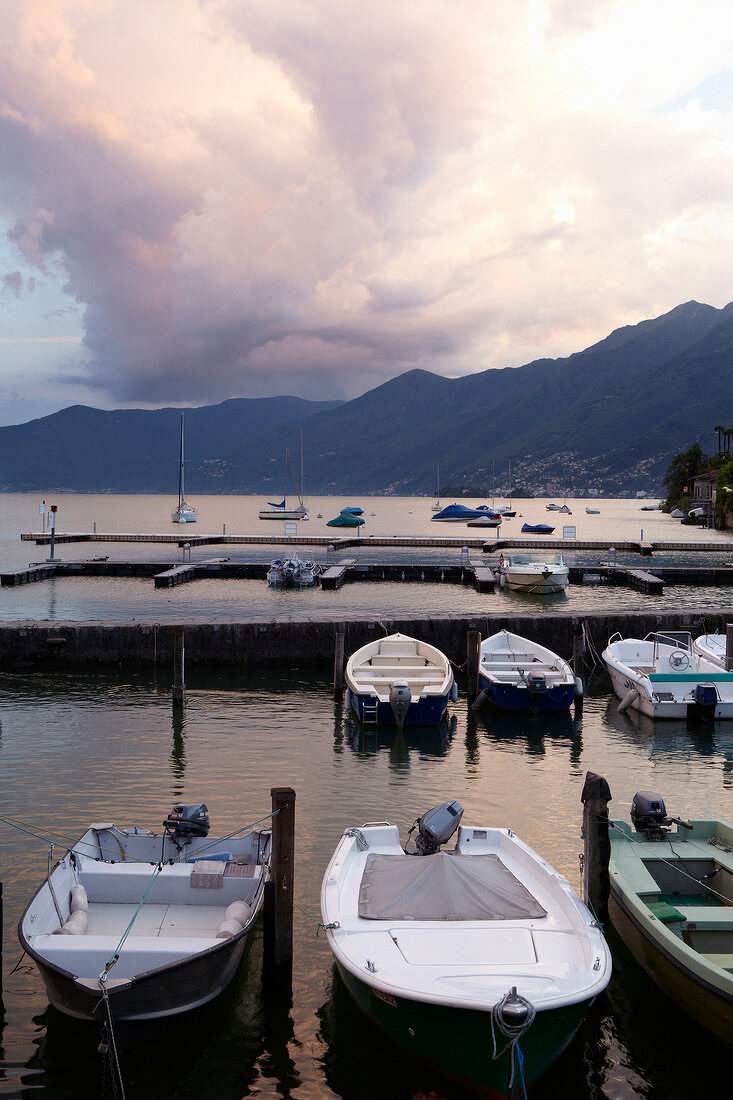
[(101, 721)]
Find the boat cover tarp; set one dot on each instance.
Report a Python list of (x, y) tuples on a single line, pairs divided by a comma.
[(345, 519), (443, 886)]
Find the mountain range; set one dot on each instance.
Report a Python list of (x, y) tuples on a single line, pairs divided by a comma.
[(604, 421)]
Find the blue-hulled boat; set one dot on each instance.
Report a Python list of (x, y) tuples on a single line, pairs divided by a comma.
[(537, 529), (399, 681), (458, 513), (518, 674)]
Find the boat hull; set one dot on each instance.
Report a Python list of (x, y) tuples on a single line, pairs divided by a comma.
[(166, 991), (625, 682), (512, 697), (458, 1041), (370, 710), (538, 582), (709, 1007), (283, 513)]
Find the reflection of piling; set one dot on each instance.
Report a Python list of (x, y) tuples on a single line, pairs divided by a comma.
[(596, 844), (279, 890), (338, 663), (179, 684), (473, 645)]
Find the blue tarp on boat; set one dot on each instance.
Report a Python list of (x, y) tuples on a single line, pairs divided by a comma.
[(458, 512), (345, 518), (537, 528)]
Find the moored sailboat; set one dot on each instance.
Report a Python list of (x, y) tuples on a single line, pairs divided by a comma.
[(185, 512)]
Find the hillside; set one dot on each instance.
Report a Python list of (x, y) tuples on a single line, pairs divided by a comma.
[(604, 420)]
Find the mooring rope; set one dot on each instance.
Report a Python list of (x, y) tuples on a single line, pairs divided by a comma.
[(513, 1032), (104, 1044)]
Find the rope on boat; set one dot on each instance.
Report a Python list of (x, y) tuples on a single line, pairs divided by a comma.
[(513, 1032), (116, 954), (105, 1044), (319, 924)]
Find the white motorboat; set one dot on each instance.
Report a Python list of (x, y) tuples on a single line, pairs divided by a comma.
[(712, 647), (553, 507), (521, 572), (293, 572), (155, 923), (185, 512), (399, 681), (443, 948), (664, 677), (593, 511), (518, 674)]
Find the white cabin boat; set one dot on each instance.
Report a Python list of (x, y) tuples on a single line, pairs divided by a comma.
[(439, 948), (663, 677), (293, 572), (156, 923), (523, 573)]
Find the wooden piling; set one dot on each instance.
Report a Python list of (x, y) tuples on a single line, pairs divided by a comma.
[(473, 646), (729, 647), (1, 939), (596, 844), (179, 681), (578, 648), (279, 938), (338, 664)]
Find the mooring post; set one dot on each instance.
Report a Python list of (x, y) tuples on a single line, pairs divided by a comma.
[(596, 844), (578, 647), (1, 939), (279, 936), (473, 646), (179, 683), (729, 647), (338, 663)]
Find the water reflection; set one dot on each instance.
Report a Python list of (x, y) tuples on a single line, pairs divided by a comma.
[(369, 740), (178, 750), (529, 733)]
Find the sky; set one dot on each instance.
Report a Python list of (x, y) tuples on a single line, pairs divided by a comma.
[(205, 199)]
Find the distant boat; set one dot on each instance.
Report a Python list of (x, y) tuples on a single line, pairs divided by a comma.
[(566, 510), (345, 518), (677, 513), (539, 577), (593, 511), (457, 513), (280, 510), (486, 520), (354, 511), (650, 507), (293, 572), (537, 529), (185, 512), (553, 507)]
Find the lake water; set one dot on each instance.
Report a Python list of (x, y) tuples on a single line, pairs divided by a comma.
[(82, 747), (234, 600)]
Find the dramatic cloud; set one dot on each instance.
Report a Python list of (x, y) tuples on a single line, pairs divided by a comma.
[(312, 196)]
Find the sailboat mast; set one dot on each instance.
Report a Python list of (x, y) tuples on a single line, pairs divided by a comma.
[(180, 467), (301, 467)]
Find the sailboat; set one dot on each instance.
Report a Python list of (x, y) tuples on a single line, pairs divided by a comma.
[(437, 506), (280, 510), (184, 513)]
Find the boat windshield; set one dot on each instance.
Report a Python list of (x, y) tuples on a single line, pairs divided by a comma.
[(536, 559)]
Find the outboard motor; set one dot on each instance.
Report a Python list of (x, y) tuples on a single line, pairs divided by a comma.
[(186, 821), (649, 816), (706, 700), (536, 683), (399, 700), (437, 826)]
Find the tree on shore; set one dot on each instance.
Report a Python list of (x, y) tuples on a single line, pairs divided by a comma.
[(682, 469)]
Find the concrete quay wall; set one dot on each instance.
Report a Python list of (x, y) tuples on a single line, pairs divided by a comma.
[(308, 644)]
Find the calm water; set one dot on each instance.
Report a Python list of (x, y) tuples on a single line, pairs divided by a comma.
[(84, 747), (81, 748), (226, 600)]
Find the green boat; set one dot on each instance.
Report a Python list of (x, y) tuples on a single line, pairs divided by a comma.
[(480, 960), (671, 901)]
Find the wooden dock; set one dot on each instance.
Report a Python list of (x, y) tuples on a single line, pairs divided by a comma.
[(471, 542)]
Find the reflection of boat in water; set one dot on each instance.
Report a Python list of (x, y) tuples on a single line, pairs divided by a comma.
[(503, 725), (425, 740)]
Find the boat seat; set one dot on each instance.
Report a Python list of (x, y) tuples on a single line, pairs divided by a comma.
[(127, 882), (397, 649), (724, 961), (380, 659), (706, 917), (396, 672)]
